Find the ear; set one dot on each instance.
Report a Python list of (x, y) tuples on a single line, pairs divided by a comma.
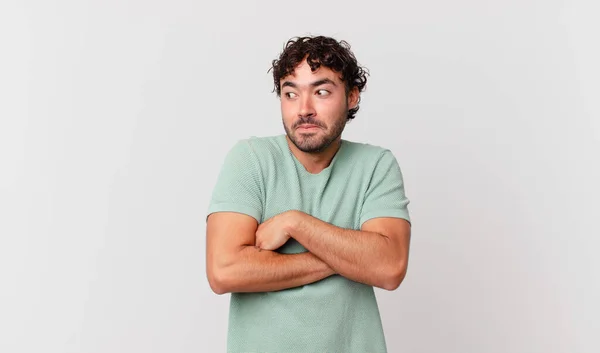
[(353, 97)]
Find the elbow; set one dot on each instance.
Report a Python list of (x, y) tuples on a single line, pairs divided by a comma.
[(222, 274), (217, 281), (216, 285), (394, 278), (218, 288)]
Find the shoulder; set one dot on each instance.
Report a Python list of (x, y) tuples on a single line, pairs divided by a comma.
[(259, 154), (258, 146), (367, 151)]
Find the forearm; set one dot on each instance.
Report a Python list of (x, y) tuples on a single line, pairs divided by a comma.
[(361, 256), (255, 270)]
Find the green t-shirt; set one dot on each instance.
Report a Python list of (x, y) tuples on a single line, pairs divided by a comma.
[(262, 178)]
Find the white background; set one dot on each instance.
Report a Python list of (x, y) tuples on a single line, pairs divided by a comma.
[(115, 117)]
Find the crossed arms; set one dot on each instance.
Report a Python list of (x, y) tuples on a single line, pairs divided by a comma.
[(241, 257)]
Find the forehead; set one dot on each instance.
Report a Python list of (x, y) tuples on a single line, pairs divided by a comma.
[(303, 74)]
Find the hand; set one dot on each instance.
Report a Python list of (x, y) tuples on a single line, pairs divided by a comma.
[(276, 231)]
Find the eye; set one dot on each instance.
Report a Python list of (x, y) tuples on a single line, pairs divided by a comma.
[(290, 95), (323, 92)]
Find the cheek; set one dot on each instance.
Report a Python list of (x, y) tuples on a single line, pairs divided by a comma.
[(330, 108), (289, 109)]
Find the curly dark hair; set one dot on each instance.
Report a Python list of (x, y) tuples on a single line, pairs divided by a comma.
[(321, 50)]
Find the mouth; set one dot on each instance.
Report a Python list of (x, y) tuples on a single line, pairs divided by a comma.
[(307, 127)]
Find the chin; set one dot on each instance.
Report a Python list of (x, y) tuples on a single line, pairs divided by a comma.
[(311, 146)]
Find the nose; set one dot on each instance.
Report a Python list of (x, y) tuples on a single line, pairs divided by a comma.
[(306, 108)]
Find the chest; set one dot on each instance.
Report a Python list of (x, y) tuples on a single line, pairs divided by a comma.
[(335, 198)]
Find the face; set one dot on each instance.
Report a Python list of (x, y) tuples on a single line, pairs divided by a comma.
[(314, 107)]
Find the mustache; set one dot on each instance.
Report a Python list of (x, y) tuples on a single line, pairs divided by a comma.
[(307, 120)]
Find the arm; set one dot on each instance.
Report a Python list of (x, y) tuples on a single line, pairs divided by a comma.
[(376, 255), (234, 264)]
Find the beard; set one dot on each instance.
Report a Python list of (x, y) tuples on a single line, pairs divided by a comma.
[(315, 142)]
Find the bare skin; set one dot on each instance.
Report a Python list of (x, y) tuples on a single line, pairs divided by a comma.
[(376, 255), (235, 264), (314, 107), (240, 253)]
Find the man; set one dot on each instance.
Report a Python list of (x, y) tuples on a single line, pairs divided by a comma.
[(302, 226)]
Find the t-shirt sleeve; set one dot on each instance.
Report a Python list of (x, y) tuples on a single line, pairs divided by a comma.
[(385, 196), (239, 186)]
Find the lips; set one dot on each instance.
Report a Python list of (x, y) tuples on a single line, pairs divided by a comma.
[(307, 126)]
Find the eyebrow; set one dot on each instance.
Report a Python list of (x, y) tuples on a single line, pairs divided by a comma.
[(313, 84)]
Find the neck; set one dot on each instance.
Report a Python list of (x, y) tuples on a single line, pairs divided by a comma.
[(314, 163)]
